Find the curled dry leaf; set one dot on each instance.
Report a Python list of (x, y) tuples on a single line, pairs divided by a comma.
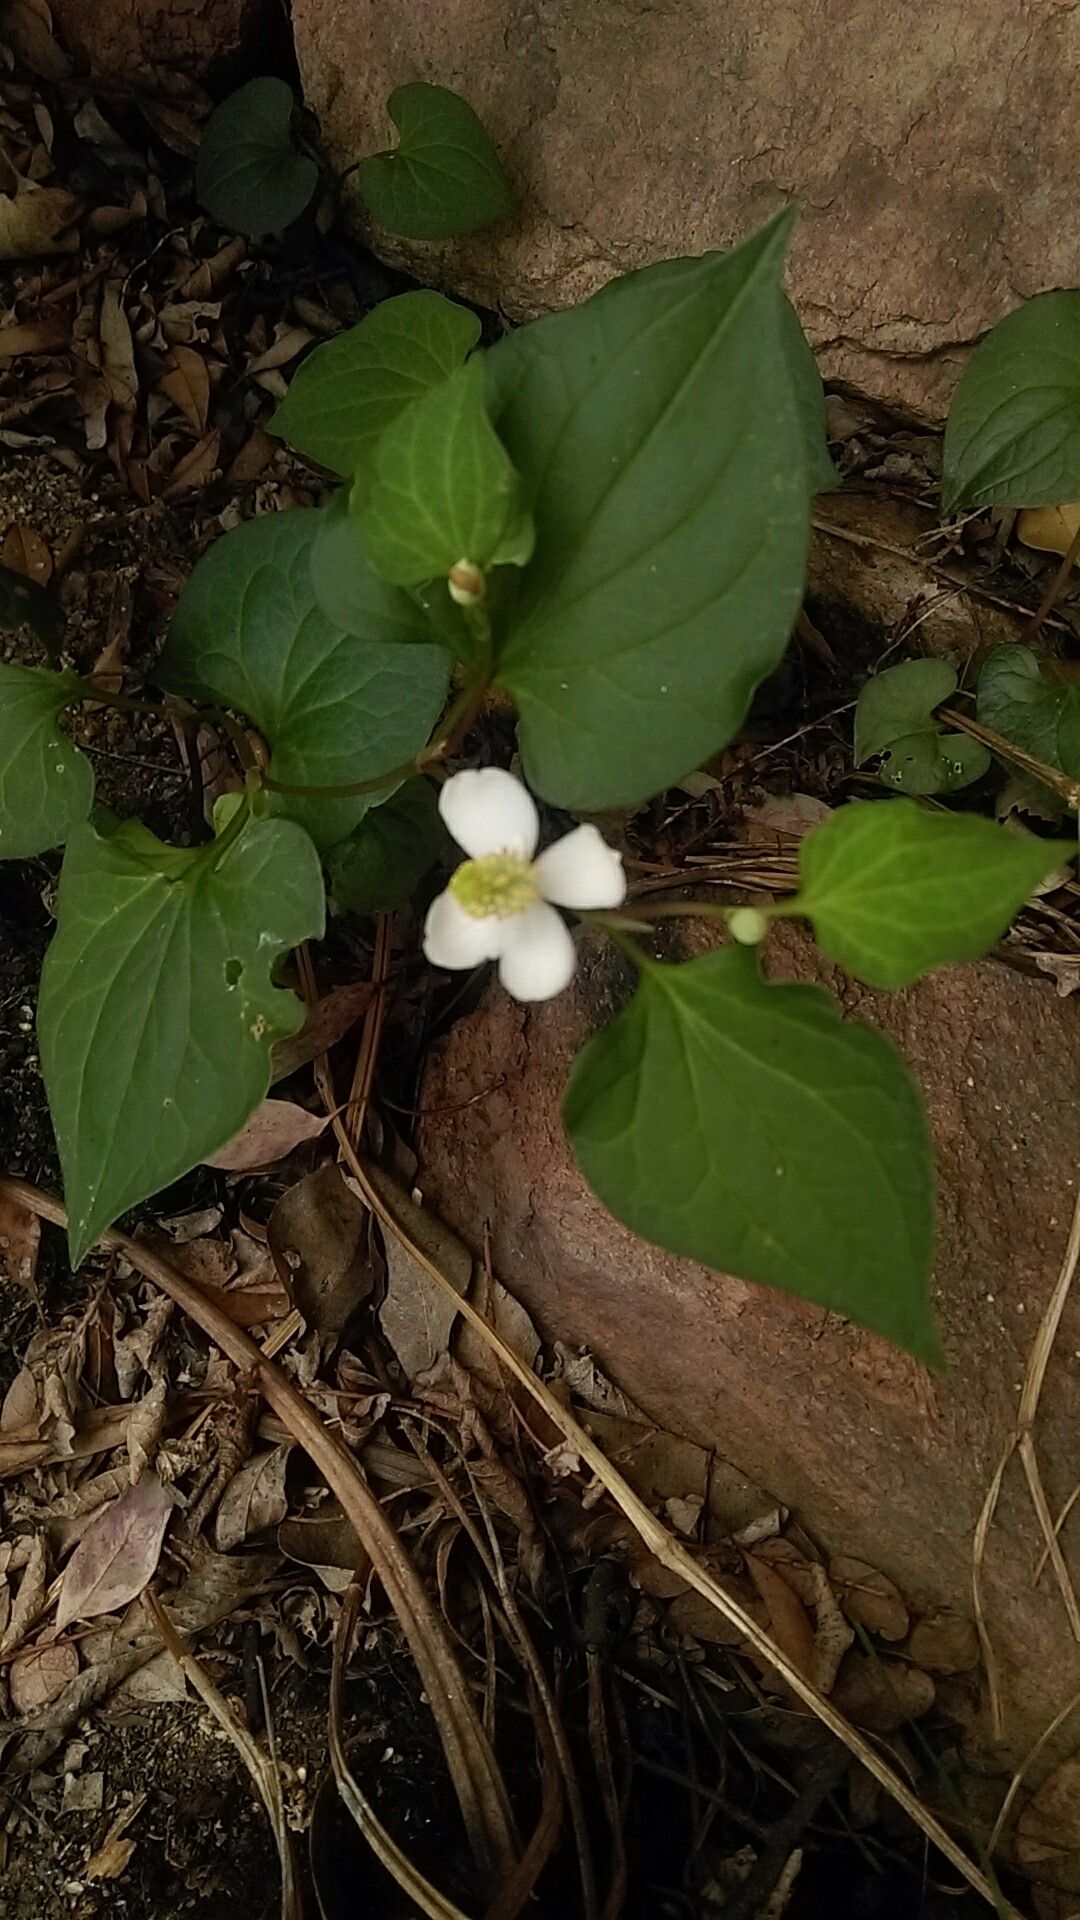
[(39, 1674), (276, 1128), (253, 1499), (118, 1554), (882, 1695), (945, 1642), (788, 1618), (1049, 1826), (318, 1236), (187, 385), (869, 1598), (1049, 529), (30, 1598), (108, 1861)]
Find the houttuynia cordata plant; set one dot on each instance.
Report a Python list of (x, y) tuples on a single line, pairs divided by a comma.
[(606, 517)]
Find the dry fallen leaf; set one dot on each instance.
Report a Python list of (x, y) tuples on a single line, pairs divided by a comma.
[(109, 1860), (25, 552), (869, 1598), (319, 1238), (275, 1129), (196, 467), (1049, 529), (788, 1618), (187, 384), (32, 218), (20, 1239), (117, 1555), (1049, 1826), (881, 1695), (30, 1598), (945, 1642), (253, 1499), (327, 1022), (38, 1674), (1064, 969)]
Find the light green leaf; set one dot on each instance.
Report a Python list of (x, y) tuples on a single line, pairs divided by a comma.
[(895, 718), (1017, 698), (662, 450), (349, 593), (747, 1126), (157, 1012), (1013, 434), (348, 391), (46, 784), (442, 488), (381, 864), (249, 175), (335, 707), (892, 890), (443, 177)]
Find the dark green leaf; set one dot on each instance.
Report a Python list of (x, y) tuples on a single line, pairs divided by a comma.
[(46, 784), (1016, 698), (893, 891), (1013, 436), (443, 177), (809, 401), (334, 706), (157, 1012), (348, 390), (747, 1126), (249, 175), (662, 447), (349, 593), (895, 718), (381, 864), (442, 489)]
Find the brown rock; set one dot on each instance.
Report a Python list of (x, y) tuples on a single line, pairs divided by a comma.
[(117, 37), (878, 1458), (931, 150)]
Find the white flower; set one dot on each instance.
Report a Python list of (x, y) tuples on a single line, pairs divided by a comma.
[(500, 904)]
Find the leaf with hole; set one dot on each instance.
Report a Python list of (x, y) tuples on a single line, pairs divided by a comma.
[(158, 1012), (895, 718), (893, 891), (662, 449), (442, 488), (1013, 433), (249, 175), (46, 784), (1023, 700), (349, 390), (745, 1125), (443, 177), (382, 862), (335, 707)]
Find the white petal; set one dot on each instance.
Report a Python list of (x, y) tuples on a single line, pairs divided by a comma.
[(537, 959), (581, 870), (454, 938), (488, 811)]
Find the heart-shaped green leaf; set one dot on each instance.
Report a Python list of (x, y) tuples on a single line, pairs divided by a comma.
[(663, 454), (442, 489), (348, 391), (249, 175), (893, 891), (349, 593), (46, 784), (157, 1012), (335, 707), (746, 1125), (895, 718), (1016, 698), (809, 402), (443, 177), (381, 864), (1013, 435)]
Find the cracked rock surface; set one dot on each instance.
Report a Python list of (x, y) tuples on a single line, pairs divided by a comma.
[(931, 149)]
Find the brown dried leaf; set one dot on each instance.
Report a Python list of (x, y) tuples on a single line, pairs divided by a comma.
[(276, 1129), (28, 31), (196, 467), (1063, 968), (1049, 1826), (510, 1321), (869, 1598), (1049, 529), (945, 1642), (117, 1555), (253, 458), (117, 350), (253, 1499), (881, 1695), (20, 1230), (32, 219), (109, 1860), (187, 385), (318, 1235), (143, 1430), (30, 1598), (47, 335), (25, 552), (37, 1675), (788, 1618), (327, 1022), (325, 1539)]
